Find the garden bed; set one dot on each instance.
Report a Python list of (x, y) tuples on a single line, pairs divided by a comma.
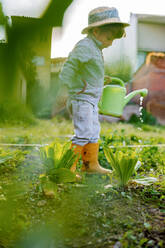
[(94, 212)]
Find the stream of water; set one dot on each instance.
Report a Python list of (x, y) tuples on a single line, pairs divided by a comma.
[(140, 109)]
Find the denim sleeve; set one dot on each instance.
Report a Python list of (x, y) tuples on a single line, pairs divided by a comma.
[(72, 67)]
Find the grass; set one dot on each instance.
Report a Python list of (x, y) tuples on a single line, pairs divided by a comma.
[(91, 213), (46, 131)]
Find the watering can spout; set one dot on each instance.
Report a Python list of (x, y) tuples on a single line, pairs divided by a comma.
[(142, 92)]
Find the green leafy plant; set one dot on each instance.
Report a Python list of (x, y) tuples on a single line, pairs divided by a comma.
[(123, 165), (9, 160), (151, 158), (58, 159)]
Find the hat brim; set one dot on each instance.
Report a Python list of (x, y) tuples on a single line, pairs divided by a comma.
[(101, 23)]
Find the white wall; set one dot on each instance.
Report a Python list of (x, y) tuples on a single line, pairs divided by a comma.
[(151, 37)]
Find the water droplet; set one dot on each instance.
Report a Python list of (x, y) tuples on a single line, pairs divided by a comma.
[(124, 143)]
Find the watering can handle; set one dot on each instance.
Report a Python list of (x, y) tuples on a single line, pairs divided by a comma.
[(113, 80)]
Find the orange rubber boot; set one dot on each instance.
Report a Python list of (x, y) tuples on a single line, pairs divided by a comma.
[(90, 159), (77, 149)]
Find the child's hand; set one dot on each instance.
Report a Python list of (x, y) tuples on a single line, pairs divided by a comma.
[(107, 80)]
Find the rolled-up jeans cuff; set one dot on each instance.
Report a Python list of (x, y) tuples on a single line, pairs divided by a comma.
[(83, 142)]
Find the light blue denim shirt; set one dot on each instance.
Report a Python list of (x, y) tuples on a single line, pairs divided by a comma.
[(83, 72)]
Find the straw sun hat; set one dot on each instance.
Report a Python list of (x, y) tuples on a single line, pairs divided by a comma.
[(101, 16)]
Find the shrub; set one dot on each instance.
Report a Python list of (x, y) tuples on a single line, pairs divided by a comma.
[(147, 118), (15, 113)]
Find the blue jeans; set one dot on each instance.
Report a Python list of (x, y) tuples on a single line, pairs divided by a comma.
[(86, 123)]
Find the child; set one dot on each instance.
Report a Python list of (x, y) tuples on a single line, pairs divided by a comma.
[(83, 74)]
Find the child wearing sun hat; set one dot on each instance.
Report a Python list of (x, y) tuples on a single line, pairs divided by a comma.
[(83, 75)]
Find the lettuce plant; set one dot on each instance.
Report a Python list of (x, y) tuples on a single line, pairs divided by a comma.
[(122, 164), (58, 159)]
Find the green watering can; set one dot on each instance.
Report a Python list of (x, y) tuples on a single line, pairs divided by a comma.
[(114, 97)]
